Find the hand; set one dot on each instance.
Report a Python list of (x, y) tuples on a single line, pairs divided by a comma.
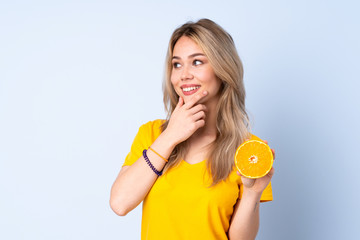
[(258, 185), (186, 118)]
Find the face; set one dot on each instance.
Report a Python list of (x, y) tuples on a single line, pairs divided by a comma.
[(192, 72)]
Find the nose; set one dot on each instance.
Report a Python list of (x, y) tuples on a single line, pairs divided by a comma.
[(186, 73)]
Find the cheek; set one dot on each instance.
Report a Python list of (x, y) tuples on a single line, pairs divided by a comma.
[(208, 76), (173, 84), (173, 78), (214, 84), (211, 79), (218, 86)]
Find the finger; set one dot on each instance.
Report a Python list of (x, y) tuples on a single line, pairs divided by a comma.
[(271, 173), (273, 152), (265, 141), (197, 108), (200, 123), (180, 103), (238, 173), (199, 115), (195, 99)]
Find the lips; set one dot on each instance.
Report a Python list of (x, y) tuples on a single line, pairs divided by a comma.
[(189, 89)]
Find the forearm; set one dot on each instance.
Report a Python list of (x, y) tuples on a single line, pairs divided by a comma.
[(245, 221), (133, 183)]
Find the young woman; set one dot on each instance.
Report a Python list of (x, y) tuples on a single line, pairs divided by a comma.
[(183, 167)]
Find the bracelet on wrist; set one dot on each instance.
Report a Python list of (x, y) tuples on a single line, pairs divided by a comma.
[(159, 173), (158, 154)]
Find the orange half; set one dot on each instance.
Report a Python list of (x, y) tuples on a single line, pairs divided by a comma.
[(254, 159)]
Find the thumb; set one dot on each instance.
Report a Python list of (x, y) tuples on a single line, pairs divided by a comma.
[(180, 102)]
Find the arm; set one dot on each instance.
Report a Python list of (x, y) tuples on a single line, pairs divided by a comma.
[(134, 182), (245, 220)]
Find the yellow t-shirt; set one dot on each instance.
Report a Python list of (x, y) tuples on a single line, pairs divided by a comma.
[(180, 205)]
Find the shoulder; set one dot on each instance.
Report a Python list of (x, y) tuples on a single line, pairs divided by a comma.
[(151, 129), (147, 134), (154, 125)]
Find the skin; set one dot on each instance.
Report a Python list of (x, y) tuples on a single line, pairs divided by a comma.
[(191, 66), (257, 184), (194, 120)]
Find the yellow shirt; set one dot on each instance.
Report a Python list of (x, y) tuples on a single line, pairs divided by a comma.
[(180, 205)]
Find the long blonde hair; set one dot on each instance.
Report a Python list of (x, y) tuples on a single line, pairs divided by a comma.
[(232, 123)]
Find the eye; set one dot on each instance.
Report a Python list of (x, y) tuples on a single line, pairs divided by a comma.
[(197, 62), (176, 65)]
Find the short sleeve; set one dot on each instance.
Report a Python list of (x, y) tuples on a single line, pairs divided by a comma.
[(146, 135), (267, 193), (266, 196)]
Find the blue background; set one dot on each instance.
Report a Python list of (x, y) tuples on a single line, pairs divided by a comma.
[(77, 79)]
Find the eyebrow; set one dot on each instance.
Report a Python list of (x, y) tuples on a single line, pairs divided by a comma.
[(191, 56)]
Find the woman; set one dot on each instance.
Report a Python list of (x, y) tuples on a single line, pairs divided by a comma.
[(183, 167)]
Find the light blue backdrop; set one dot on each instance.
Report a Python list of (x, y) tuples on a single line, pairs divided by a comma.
[(77, 79)]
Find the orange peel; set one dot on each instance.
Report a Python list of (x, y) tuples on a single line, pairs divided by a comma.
[(253, 159)]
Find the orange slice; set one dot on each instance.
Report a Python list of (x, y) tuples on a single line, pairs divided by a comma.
[(254, 159)]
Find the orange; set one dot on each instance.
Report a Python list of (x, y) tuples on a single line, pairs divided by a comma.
[(254, 159)]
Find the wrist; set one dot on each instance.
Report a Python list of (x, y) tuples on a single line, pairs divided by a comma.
[(163, 145), (250, 194), (170, 140)]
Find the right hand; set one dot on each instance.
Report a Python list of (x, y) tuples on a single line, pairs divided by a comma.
[(186, 118)]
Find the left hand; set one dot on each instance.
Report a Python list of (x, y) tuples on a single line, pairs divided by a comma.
[(257, 185)]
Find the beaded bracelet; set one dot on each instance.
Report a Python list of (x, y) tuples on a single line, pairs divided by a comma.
[(150, 164), (158, 154)]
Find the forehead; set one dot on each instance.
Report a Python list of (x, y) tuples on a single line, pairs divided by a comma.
[(185, 46)]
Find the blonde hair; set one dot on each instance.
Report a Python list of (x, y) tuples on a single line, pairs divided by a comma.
[(232, 123)]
